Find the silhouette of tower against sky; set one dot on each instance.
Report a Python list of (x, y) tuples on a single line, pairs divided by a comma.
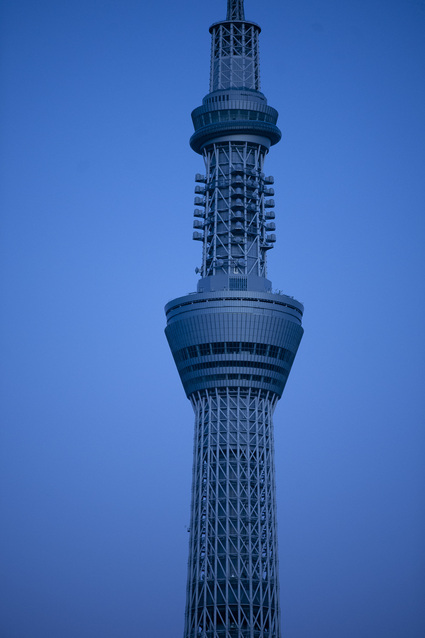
[(234, 342)]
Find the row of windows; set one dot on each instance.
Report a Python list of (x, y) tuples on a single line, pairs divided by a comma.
[(238, 283), (235, 364), (238, 377), (230, 115), (234, 347), (218, 98), (223, 97), (250, 299)]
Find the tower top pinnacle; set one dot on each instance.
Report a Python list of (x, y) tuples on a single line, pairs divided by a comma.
[(235, 10)]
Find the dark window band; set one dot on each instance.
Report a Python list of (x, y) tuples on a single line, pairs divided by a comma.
[(234, 364), (234, 347)]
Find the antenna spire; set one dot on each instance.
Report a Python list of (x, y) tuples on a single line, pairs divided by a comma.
[(235, 10)]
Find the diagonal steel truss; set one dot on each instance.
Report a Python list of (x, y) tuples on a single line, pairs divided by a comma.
[(235, 56), (235, 10), (232, 589), (235, 239)]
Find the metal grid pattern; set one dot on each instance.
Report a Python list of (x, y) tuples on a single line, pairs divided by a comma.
[(235, 56), (236, 211), (233, 589), (235, 10)]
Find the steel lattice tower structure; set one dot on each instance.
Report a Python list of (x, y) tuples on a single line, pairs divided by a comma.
[(234, 342)]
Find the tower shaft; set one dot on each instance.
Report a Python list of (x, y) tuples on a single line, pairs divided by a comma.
[(234, 219), (235, 60), (235, 10), (233, 570), (234, 342)]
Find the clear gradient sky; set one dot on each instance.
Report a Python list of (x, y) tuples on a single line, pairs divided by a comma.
[(96, 223)]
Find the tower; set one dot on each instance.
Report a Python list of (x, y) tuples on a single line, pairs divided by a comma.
[(233, 342)]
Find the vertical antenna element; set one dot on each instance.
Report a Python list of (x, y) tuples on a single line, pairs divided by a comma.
[(235, 60), (235, 10)]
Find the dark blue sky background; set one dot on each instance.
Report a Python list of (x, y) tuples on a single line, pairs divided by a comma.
[(96, 199)]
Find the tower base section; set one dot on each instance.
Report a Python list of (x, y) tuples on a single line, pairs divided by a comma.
[(232, 589)]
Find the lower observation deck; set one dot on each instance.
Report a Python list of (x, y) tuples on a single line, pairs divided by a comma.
[(225, 339)]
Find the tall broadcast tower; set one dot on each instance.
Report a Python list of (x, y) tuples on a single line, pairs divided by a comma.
[(234, 342)]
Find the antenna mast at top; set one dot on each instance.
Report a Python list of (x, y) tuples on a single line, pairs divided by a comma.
[(235, 10)]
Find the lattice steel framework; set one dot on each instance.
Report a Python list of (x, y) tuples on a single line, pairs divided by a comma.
[(234, 342), (233, 570), (234, 56), (235, 10), (235, 212)]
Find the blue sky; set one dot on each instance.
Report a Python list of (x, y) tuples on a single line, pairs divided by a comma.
[(96, 199)]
